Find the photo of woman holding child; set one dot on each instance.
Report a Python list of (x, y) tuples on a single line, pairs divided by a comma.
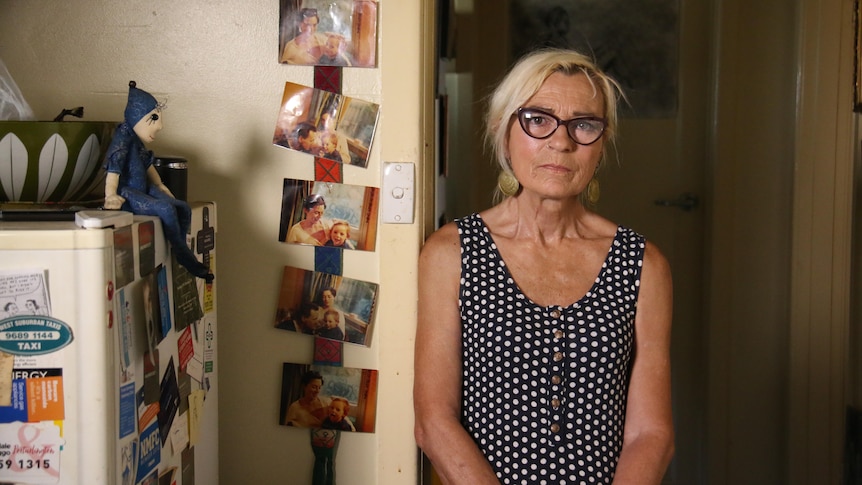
[(326, 124), (328, 32), (326, 305), (329, 214), (340, 398)]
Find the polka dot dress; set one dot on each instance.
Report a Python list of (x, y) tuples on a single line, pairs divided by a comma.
[(544, 388)]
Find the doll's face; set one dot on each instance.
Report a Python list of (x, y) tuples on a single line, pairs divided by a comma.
[(149, 125), (337, 411), (338, 234)]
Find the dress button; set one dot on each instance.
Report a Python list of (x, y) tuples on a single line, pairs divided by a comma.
[(555, 314), (555, 428), (558, 334), (558, 356), (556, 380), (555, 403)]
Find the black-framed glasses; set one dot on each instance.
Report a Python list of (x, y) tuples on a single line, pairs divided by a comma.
[(584, 130)]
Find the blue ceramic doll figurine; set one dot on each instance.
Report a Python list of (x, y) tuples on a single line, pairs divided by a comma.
[(134, 185)]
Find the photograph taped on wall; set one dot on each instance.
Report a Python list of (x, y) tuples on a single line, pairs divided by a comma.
[(636, 43), (326, 305), (329, 397), (329, 214), (328, 32), (326, 124)]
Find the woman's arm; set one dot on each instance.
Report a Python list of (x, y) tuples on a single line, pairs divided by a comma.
[(297, 234), (291, 417), (342, 148), (293, 234), (437, 386), (319, 410), (648, 441)]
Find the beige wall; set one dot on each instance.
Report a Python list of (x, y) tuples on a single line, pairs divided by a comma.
[(216, 63)]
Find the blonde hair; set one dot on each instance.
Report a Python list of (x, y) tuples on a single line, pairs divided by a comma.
[(526, 78), (340, 399), (341, 223)]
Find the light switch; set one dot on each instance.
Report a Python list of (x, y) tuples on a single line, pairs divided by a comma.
[(397, 193)]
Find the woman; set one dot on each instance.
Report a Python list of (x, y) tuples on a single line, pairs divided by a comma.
[(307, 47), (308, 411), (312, 229), (542, 347), (33, 308), (327, 303)]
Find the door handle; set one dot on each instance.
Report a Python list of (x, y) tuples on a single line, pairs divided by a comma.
[(686, 202)]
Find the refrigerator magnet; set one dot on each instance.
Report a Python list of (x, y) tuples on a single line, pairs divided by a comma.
[(33, 335)]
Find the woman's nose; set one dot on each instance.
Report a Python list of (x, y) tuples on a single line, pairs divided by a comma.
[(560, 139)]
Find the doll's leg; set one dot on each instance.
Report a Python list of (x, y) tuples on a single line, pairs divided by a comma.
[(183, 212), (165, 209)]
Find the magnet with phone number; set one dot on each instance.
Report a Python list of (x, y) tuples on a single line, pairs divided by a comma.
[(33, 335), (30, 452)]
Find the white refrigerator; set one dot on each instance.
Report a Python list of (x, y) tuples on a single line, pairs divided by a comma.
[(108, 363)]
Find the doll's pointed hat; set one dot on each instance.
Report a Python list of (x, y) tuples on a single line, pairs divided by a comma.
[(140, 103)]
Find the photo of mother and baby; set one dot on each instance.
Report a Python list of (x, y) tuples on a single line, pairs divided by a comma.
[(340, 398), (313, 229), (329, 214)]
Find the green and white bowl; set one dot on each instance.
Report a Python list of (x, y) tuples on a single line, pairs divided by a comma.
[(53, 161)]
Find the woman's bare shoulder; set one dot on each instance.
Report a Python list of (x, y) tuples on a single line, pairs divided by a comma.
[(443, 243), (656, 289), (656, 261), (440, 259)]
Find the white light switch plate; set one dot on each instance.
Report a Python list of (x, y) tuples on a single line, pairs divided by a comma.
[(398, 193)]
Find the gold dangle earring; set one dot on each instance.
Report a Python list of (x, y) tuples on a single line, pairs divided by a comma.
[(508, 184), (593, 191)]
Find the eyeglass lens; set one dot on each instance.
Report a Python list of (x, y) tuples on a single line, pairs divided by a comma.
[(539, 124)]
